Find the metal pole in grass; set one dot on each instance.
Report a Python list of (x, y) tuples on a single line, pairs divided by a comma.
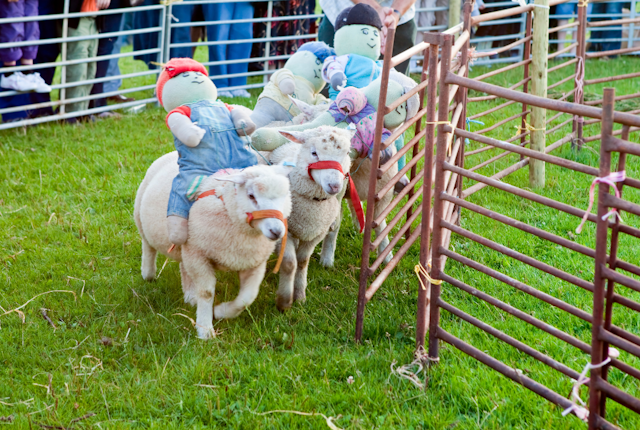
[(539, 88), (63, 53), (454, 12)]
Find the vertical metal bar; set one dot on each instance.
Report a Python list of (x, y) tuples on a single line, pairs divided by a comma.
[(267, 45), (441, 153), (63, 54), (631, 25), (161, 34), (581, 50), (168, 15), (613, 259), (525, 87), (365, 271), (432, 91), (461, 95), (418, 128), (597, 353)]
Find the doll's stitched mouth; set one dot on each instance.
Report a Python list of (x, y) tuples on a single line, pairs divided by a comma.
[(197, 82), (371, 46), (315, 74)]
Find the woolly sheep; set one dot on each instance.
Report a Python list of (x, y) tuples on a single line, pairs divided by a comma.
[(220, 238), (314, 203)]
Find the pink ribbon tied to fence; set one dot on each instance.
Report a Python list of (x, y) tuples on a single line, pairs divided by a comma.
[(579, 86), (609, 180), (580, 411)]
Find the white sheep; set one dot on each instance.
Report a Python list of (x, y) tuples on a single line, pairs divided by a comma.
[(314, 204), (221, 235)]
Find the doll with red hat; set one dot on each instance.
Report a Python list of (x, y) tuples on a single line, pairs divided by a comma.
[(208, 135)]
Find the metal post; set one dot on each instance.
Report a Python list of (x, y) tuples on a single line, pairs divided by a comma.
[(525, 87), (167, 33), (539, 88), (432, 91), (632, 15), (373, 179), (454, 12), (598, 355), (161, 34), (63, 54), (461, 95), (581, 49), (267, 45), (438, 206)]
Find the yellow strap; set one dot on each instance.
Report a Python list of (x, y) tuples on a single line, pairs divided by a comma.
[(168, 2), (157, 64), (419, 269), (438, 122), (583, 3), (527, 127)]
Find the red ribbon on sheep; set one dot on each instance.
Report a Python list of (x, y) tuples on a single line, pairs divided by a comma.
[(353, 192)]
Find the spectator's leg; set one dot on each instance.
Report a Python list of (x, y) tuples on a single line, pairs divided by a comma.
[(80, 72), (240, 51), (597, 8), (13, 32), (614, 9), (182, 12), (146, 19), (218, 12), (405, 39), (49, 29), (110, 24), (326, 31)]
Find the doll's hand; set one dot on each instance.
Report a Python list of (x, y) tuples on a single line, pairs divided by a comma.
[(287, 86), (338, 80), (267, 139), (186, 131), (242, 121)]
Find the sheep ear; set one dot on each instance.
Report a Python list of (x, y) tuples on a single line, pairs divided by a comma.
[(294, 136), (306, 108), (238, 178)]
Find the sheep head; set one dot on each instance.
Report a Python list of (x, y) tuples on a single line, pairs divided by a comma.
[(323, 143), (262, 188)]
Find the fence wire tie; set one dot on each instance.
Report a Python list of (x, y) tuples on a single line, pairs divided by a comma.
[(420, 270), (580, 411), (610, 180), (579, 83), (469, 121), (527, 127)]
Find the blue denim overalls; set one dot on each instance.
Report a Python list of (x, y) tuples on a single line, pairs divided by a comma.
[(220, 148)]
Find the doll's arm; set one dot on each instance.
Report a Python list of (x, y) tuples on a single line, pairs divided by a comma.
[(268, 139), (333, 71), (241, 117), (284, 80), (181, 126)]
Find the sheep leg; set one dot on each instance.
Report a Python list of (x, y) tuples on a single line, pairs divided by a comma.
[(187, 287), (203, 276), (327, 255), (303, 254), (148, 268), (250, 281), (284, 295)]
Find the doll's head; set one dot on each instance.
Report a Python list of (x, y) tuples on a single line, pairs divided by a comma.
[(399, 84), (358, 31), (183, 81), (307, 62)]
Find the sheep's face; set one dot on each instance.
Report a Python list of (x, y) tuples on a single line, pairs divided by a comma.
[(263, 188), (187, 87), (324, 144)]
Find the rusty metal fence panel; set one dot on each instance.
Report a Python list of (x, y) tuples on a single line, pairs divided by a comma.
[(603, 255)]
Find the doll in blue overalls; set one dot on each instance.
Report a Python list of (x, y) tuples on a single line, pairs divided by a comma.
[(208, 136)]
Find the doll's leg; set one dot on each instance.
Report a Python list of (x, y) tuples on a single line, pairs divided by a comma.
[(240, 51), (220, 32), (178, 212), (267, 111)]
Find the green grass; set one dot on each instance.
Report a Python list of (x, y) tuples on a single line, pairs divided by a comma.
[(121, 351)]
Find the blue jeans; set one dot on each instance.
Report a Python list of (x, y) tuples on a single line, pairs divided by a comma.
[(114, 68), (611, 8), (110, 24), (229, 51)]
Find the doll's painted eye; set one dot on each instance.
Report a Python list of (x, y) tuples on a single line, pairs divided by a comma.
[(185, 75), (365, 31), (318, 62), (375, 33)]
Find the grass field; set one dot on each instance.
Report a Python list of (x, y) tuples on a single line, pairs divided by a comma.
[(121, 350)]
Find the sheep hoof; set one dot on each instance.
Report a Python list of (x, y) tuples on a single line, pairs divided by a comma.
[(207, 332), (149, 273), (300, 296), (326, 261), (283, 303), (388, 258)]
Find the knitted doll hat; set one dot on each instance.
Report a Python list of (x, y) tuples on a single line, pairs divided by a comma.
[(360, 13), (174, 67), (319, 49)]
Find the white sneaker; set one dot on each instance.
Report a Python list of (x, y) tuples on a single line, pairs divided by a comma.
[(240, 93), (41, 85), (17, 81), (225, 94)]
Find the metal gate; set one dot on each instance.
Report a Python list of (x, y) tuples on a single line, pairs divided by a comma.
[(604, 334)]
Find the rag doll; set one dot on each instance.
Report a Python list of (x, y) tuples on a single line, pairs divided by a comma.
[(207, 135), (357, 107), (301, 79), (357, 44)]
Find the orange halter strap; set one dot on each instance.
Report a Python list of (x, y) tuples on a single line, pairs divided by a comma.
[(271, 213)]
